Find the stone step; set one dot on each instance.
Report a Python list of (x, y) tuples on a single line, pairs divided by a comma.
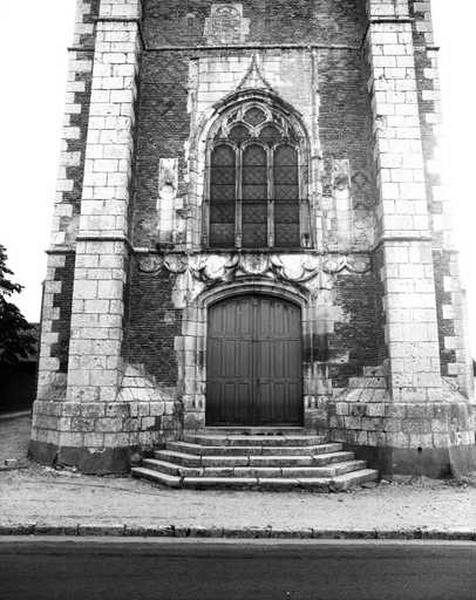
[(190, 460), (259, 472), (246, 430), (156, 476), (322, 484), (253, 440), (199, 450)]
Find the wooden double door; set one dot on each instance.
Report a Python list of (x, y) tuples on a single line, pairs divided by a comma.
[(254, 362)]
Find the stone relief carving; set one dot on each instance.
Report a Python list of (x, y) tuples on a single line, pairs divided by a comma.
[(196, 273), (167, 199), (226, 25), (342, 200), (212, 268), (153, 263)]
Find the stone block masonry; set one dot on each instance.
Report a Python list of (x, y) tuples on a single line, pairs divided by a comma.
[(451, 313), (95, 368), (402, 212), (57, 292), (132, 279)]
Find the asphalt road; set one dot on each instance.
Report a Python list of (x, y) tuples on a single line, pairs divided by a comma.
[(99, 569)]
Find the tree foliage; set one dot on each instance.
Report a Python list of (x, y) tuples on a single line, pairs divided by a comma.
[(16, 336)]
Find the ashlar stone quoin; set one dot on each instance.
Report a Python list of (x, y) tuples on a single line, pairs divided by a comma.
[(249, 231)]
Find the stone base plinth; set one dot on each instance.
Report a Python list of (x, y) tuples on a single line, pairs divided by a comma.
[(90, 461), (435, 439), (438, 463)]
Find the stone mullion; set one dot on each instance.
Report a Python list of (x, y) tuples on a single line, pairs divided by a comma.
[(95, 363), (403, 219)]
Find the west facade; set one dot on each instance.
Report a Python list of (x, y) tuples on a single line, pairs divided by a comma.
[(250, 230)]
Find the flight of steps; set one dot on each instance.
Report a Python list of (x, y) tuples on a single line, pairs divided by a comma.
[(256, 459)]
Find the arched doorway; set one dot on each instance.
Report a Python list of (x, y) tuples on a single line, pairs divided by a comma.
[(254, 362)]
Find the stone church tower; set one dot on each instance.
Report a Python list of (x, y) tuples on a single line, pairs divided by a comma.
[(250, 231)]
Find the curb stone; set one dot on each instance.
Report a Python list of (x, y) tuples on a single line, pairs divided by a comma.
[(170, 531)]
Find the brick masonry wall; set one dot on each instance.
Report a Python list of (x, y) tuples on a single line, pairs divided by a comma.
[(163, 127), (165, 124), (168, 22), (153, 324), (345, 132), (353, 343)]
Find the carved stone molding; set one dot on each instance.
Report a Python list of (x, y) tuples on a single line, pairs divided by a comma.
[(150, 263), (153, 263), (352, 264), (212, 268)]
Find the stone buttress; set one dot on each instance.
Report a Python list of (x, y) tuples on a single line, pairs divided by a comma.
[(141, 257)]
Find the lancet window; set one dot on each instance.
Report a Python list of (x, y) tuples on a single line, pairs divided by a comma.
[(255, 196)]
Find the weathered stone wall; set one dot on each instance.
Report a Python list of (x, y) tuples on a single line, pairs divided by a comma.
[(57, 293), (454, 350), (124, 349), (92, 426), (178, 90)]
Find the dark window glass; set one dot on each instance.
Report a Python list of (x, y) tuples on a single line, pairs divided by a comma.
[(254, 116), (239, 134), (270, 135), (265, 172), (222, 197), (286, 195), (255, 197)]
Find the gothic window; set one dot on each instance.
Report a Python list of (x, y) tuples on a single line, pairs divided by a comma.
[(255, 182)]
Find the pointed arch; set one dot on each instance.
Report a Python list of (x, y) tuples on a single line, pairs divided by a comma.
[(257, 175)]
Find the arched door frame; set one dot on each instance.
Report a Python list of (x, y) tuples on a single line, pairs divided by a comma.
[(192, 350), (254, 362)]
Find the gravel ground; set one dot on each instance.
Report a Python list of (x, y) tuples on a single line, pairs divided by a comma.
[(14, 438), (35, 494)]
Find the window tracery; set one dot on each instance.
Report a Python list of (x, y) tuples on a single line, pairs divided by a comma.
[(256, 192)]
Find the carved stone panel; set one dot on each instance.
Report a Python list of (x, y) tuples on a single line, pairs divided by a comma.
[(226, 25), (167, 199)]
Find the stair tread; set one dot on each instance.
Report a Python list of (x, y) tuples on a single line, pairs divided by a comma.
[(191, 448), (310, 460), (258, 437), (228, 458), (337, 482), (158, 463), (238, 440), (359, 473), (171, 480)]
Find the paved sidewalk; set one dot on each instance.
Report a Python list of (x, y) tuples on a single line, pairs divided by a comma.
[(36, 499)]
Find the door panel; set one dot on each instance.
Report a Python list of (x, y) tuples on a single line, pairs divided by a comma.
[(254, 362)]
